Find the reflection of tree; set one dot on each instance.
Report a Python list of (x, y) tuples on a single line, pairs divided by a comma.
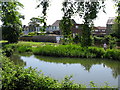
[(115, 66), (17, 60), (25, 54), (86, 63), (87, 67), (116, 72)]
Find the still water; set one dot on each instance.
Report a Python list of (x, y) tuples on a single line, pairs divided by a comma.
[(83, 70)]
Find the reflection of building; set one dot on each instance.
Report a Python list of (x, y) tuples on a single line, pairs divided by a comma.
[(109, 25), (99, 31)]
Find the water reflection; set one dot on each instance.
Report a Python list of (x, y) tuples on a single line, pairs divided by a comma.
[(17, 60), (86, 63)]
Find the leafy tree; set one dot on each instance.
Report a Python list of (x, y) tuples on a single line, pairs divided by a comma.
[(45, 5), (10, 17), (116, 26), (116, 29), (88, 11), (36, 22), (66, 22)]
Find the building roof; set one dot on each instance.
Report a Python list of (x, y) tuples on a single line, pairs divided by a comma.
[(101, 28), (56, 23), (111, 20)]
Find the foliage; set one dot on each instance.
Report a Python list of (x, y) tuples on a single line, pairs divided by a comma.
[(45, 5), (88, 11), (112, 54), (108, 39), (69, 51), (36, 20), (23, 48), (116, 28), (98, 40), (86, 39), (66, 22), (65, 50), (8, 49), (111, 41), (10, 17), (77, 39), (32, 33)]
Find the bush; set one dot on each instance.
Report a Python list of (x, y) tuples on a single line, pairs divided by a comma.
[(8, 49), (99, 52), (24, 48), (112, 54), (32, 33)]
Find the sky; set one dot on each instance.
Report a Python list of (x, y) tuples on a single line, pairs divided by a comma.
[(54, 13)]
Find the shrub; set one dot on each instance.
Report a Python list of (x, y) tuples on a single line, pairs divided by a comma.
[(32, 33), (99, 52), (24, 49), (112, 54)]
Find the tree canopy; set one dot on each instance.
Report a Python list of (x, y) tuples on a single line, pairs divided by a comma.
[(45, 5), (11, 20)]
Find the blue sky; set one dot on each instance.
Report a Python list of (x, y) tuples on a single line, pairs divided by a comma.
[(55, 13)]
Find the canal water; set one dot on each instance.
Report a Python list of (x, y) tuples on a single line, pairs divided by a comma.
[(83, 71)]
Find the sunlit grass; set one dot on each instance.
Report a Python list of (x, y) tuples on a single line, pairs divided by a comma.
[(35, 43), (3, 41)]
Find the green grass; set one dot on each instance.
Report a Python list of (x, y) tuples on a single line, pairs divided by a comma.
[(35, 43), (69, 51), (3, 41)]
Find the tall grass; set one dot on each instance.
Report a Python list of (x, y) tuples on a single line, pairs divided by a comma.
[(66, 51), (69, 51)]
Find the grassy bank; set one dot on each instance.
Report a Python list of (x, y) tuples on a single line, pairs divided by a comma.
[(15, 77), (52, 49), (77, 51)]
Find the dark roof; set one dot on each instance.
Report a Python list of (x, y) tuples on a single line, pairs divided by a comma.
[(56, 23), (101, 28), (111, 20)]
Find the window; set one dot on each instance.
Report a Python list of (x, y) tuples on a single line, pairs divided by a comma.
[(58, 28), (96, 30), (103, 30)]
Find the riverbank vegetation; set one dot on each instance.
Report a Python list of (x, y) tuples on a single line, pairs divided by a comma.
[(51, 49)]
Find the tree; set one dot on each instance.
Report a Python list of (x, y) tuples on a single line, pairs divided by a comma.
[(88, 11), (10, 17), (116, 29), (45, 5), (116, 26), (66, 22)]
